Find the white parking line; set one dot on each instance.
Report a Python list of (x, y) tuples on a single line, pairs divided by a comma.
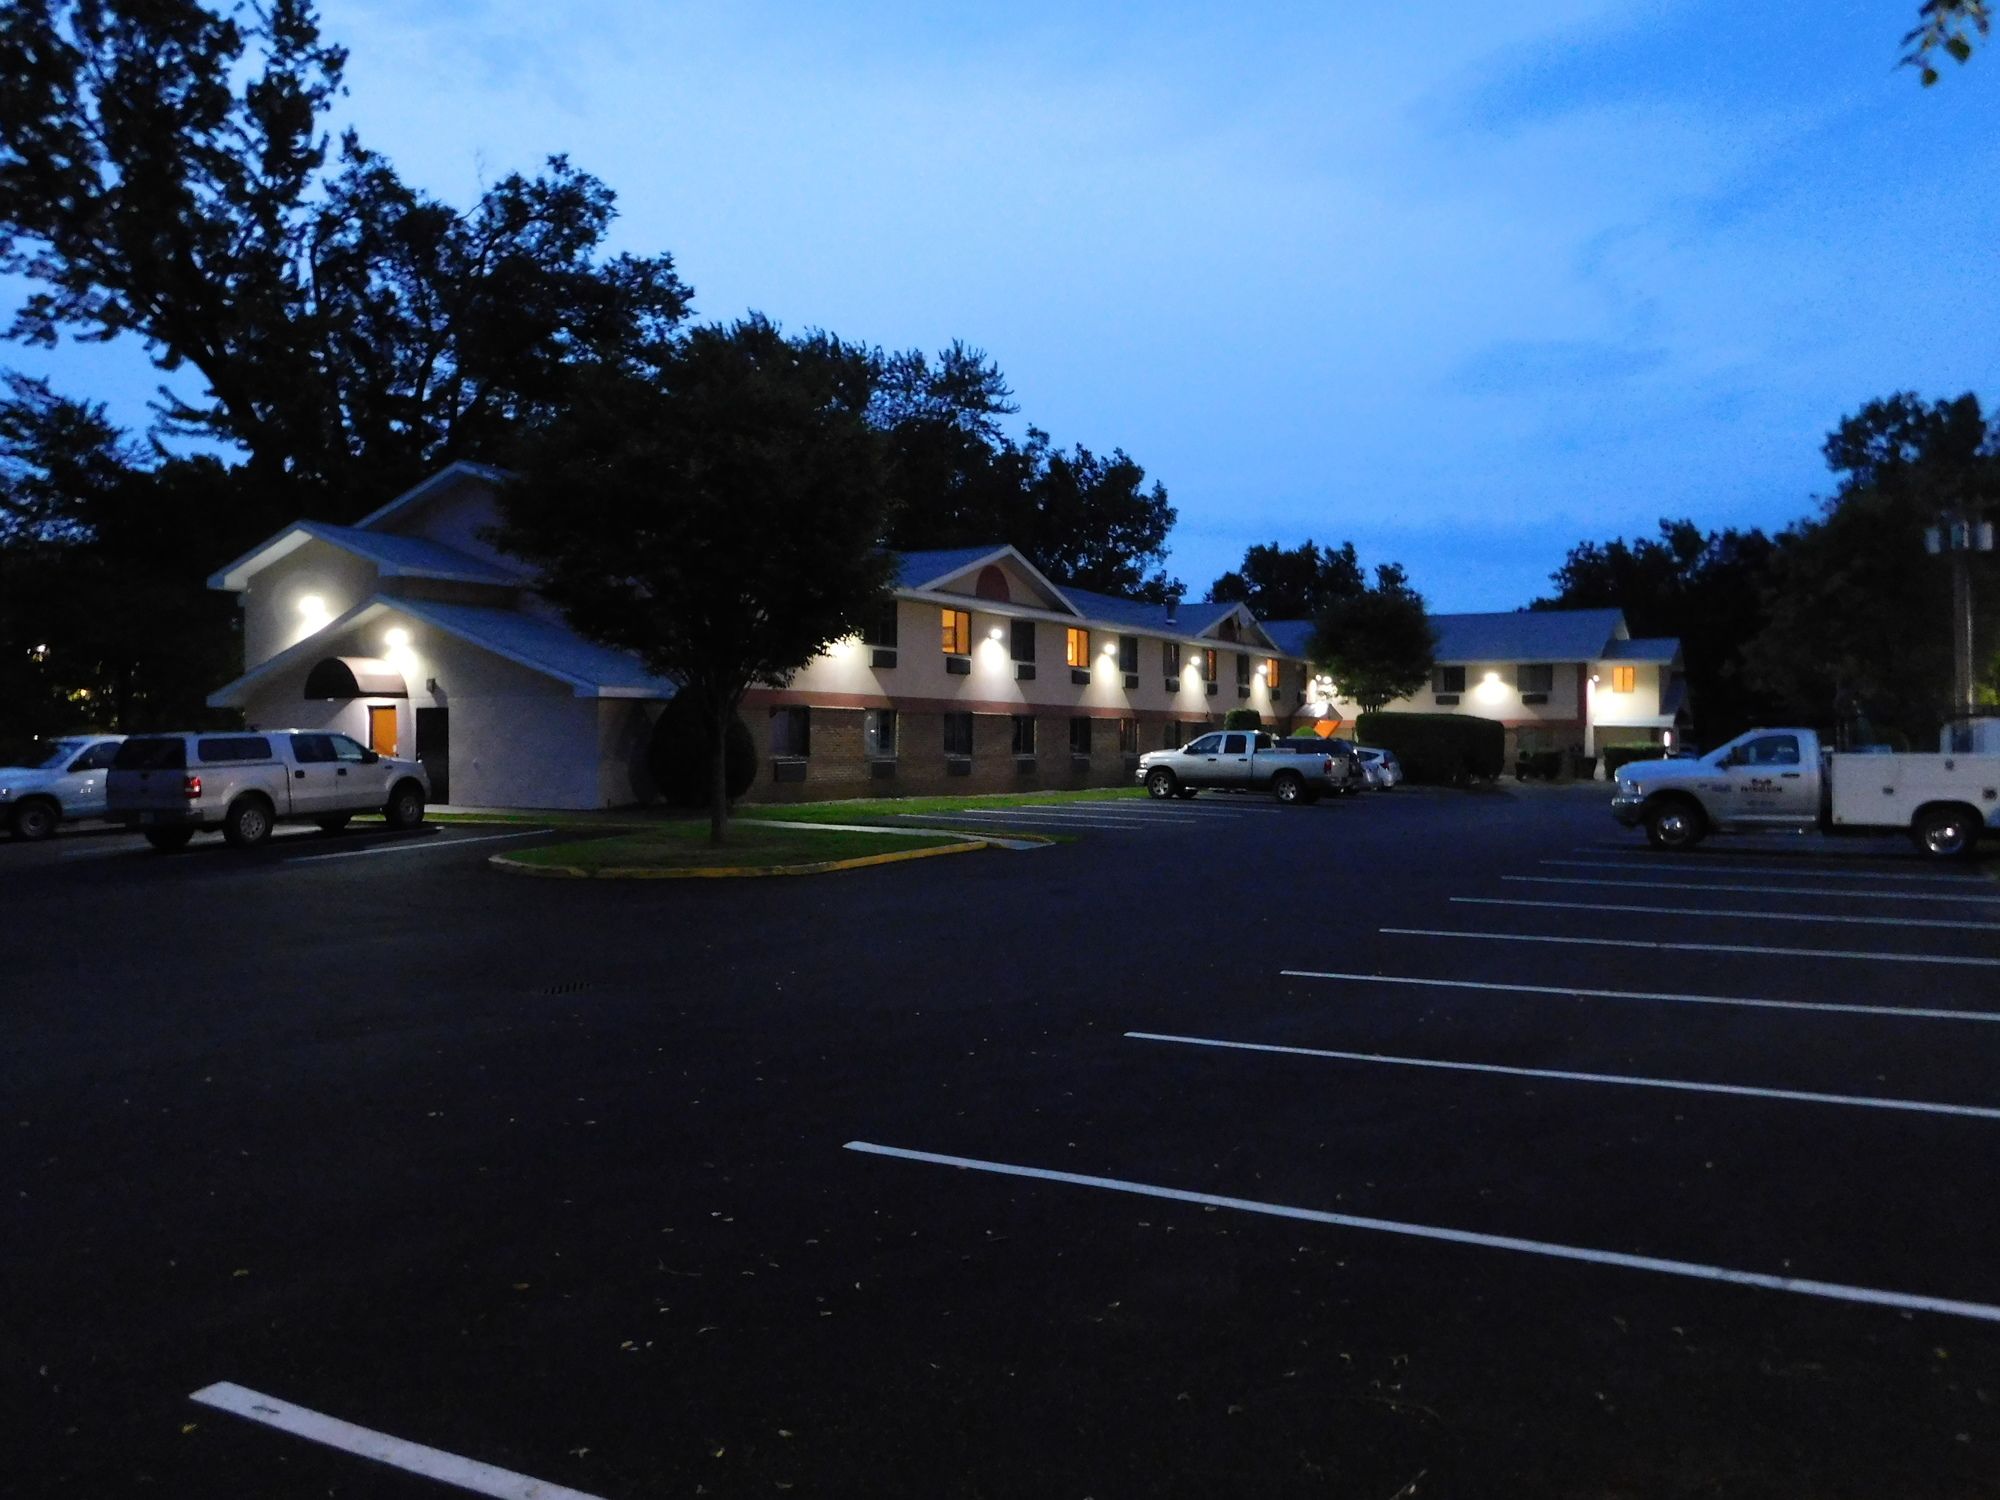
[(1802, 1096), (1909, 1012), (1801, 1286), (1585, 942), (1817, 918), (429, 846), (412, 1458), (1760, 890), (1810, 872)]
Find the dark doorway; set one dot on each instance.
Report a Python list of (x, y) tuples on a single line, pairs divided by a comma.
[(434, 750)]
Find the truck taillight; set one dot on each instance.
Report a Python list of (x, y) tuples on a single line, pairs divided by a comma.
[(191, 787), (1329, 765)]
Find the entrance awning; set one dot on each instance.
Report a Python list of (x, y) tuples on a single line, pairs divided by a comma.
[(354, 677)]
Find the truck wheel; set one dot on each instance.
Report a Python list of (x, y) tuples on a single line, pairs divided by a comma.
[(247, 823), (167, 840), (1160, 784), (1675, 824), (35, 820), (406, 806), (1288, 787), (1946, 832), (333, 822)]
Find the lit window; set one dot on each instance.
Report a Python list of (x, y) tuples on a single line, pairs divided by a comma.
[(1079, 647), (1624, 679), (878, 733), (1208, 664), (1271, 674), (957, 632), (1024, 734)]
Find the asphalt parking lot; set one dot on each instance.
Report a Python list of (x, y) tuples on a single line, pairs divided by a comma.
[(1416, 1144)]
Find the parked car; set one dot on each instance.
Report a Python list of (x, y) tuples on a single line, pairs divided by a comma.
[(1354, 773), (1240, 760), (1385, 772), (171, 786), (66, 782)]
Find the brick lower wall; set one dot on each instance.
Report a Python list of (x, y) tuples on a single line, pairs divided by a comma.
[(839, 767)]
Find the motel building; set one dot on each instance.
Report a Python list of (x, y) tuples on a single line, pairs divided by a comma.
[(416, 636), (1557, 679)]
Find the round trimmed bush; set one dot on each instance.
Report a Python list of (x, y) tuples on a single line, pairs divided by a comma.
[(678, 754)]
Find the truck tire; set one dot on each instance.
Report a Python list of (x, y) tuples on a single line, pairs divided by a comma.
[(333, 822), (1675, 823), (1289, 787), (248, 821), (1946, 832), (405, 808), (35, 820), (167, 840), (1161, 784)]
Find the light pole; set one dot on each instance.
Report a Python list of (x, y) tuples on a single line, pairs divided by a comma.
[(1959, 534)]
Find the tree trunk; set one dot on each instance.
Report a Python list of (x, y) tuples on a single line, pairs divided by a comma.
[(718, 772)]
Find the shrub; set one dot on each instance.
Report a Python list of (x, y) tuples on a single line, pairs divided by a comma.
[(1242, 718), (1616, 757), (1438, 749), (678, 754)]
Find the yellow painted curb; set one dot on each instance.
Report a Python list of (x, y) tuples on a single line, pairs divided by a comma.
[(510, 866)]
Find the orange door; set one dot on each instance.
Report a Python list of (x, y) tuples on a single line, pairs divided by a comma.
[(382, 728)]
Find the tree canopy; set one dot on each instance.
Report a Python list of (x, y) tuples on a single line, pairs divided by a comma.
[(1948, 27), (1292, 583), (721, 519), (1377, 644)]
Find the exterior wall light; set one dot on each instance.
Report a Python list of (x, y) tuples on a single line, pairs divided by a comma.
[(996, 633), (398, 638)]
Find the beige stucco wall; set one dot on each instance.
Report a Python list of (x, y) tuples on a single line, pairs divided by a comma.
[(271, 617), (1639, 707)]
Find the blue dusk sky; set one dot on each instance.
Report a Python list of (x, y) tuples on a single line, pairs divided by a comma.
[(1462, 283)]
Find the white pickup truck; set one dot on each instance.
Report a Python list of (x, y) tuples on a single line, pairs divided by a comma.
[(1244, 760), (1785, 779), (170, 786)]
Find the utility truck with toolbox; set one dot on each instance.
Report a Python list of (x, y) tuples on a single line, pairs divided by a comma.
[(171, 786), (1786, 780), (1243, 760)]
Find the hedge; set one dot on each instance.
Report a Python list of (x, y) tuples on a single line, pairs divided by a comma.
[(1616, 756), (1242, 718), (1438, 749)]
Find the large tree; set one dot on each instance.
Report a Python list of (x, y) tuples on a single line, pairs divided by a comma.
[(1706, 588), (1377, 644), (1292, 583), (723, 520), (164, 172), (1082, 517), (1858, 615)]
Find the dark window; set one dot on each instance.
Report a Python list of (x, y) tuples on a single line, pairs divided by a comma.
[(1128, 653), (1024, 734), (312, 749), (1128, 736), (1024, 640), (878, 732), (1242, 670), (1170, 736), (1079, 736), (881, 627), (1448, 679), (97, 758), (1170, 658), (791, 731), (151, 755), (1535, 677), (233, 747), (958, 736)]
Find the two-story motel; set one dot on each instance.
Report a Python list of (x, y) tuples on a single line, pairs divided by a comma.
[(411, 632)]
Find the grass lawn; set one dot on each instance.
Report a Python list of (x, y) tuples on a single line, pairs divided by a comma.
[(682, 846)]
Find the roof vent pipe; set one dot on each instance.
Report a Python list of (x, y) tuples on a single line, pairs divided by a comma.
[(1173, 607)]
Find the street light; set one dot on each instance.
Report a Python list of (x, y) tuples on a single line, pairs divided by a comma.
[(1958, 535)]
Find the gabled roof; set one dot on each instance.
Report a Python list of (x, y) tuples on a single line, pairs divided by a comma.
[(1293, 637), (1527, 635), (1190, 618), (393, 556), (919, 571), (447, 478), (544, 646), (1655, 648)]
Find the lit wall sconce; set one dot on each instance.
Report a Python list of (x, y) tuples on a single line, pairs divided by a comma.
[(398, 638), (996, 634)]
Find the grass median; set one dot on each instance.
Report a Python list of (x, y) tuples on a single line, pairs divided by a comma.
[(753, 847), (882, 809)]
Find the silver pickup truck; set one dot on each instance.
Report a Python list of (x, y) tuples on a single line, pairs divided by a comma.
[(169, 786), (1242, 760), (1784, 779)]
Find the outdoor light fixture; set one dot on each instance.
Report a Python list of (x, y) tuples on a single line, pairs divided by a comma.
[(1593, 679), (996, 633), (312, 606), (398, 638)]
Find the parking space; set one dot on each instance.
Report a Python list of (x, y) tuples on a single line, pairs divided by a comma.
[(1207, 1154)]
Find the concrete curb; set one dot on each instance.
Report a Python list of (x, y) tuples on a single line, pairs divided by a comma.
[(510, 866)]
